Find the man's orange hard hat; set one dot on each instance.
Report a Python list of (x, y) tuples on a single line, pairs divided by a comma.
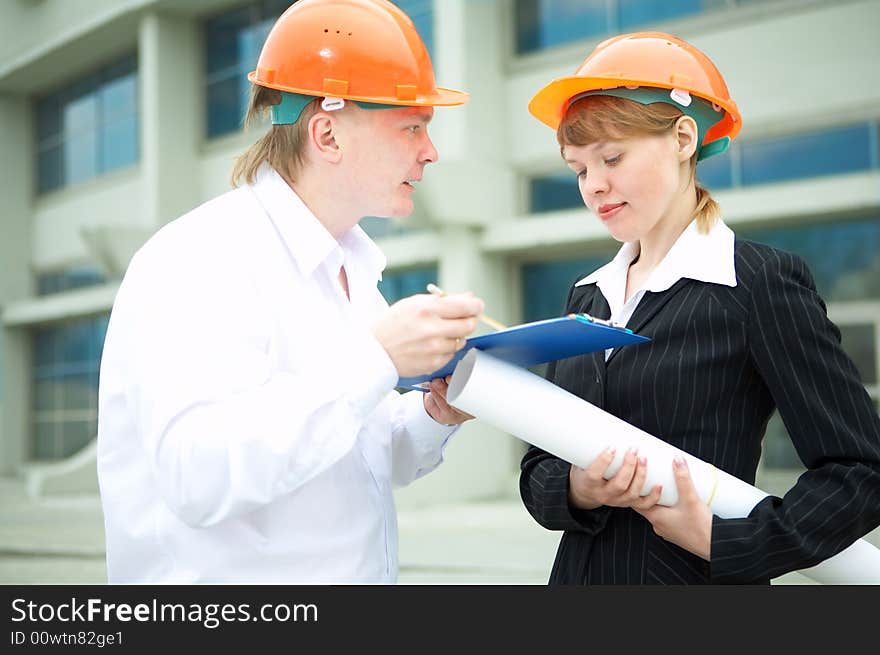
[(366, 50)]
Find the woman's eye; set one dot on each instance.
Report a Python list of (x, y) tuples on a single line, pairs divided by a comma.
[(582, 174), (414, 128), (611, 161)]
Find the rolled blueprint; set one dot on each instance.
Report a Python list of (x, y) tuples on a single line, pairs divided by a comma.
[(525, 405)]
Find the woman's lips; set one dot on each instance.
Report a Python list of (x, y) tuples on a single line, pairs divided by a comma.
[(609, 210)]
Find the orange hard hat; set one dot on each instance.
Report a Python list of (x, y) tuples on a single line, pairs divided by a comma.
[(643, 59), (367, 50)]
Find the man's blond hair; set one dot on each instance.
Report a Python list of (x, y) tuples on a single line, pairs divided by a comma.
[(282, 146)]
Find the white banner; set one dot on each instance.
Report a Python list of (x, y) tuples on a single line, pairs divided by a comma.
[(520, 403)]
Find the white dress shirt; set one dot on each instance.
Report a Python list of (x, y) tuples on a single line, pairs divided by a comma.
[(696, 256), (248, 427)]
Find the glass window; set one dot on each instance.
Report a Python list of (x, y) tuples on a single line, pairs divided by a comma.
[(74, 278), (638, 13), (66, 362), (844, 257), (87, 128), (554, 192), (378, 227), (777, 448), (422, 14), (859, 340), (837, 150), (716, 172), (400, 284), (542, 24), (233, 41), (545, 285)]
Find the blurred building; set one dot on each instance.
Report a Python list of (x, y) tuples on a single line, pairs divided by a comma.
[(117, 116)]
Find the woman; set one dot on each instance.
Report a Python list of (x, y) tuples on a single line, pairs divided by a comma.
[(737, 330)]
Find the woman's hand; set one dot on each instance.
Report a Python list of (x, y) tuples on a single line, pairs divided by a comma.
[(688, 523), (588, 489)]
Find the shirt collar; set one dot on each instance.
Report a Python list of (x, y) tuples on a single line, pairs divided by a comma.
[(694, 255), (306, 238)]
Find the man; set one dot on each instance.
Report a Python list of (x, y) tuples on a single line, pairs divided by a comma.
[(249, 430)]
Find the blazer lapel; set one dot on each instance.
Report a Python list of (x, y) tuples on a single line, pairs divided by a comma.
[(650, 304)]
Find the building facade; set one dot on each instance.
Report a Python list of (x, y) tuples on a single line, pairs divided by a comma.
[(117, 116)]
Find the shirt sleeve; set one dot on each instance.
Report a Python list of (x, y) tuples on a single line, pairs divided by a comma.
[(832, 423), (418, 441), (226, 431)]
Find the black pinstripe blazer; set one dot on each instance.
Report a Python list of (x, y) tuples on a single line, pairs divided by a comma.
[(720, 360)]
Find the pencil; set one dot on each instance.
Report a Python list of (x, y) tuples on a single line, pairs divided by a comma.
[(491, 322)]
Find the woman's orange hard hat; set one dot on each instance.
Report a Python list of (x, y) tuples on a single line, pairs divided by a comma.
[(642, 59)]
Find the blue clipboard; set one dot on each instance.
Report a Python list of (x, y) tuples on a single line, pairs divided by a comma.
[(540, 342)]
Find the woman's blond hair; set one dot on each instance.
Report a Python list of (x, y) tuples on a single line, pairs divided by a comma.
[(282, 146), (595, 118)]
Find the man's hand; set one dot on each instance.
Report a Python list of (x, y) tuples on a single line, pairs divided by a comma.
[(437, 407), (421, 333)]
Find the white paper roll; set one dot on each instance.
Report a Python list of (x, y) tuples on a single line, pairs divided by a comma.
[(520, 403)]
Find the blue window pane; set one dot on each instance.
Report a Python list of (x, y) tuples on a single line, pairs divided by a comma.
[(74, 278), (838, 150), (75, 435), (46, 445), (222, 42), (118, 98), (81, 109), (844, 257), (400, 284), (716, 172), (233, 41), (48, 119), (544, 23), (554, 192), (50, 174), (422, 14), (638, 13), (87, 128), (251, 41), (226, 106), (276, 7), (119, 144), (44, 347), (75, 344), (65, 379), (80, 157), (545, 285)]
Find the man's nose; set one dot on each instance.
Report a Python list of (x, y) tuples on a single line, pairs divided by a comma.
[(429, 153)]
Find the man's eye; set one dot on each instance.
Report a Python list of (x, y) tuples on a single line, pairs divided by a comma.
[(414, 128), (582, 173), (611, 161)]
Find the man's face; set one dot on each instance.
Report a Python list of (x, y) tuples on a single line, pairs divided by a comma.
[(385, 158)]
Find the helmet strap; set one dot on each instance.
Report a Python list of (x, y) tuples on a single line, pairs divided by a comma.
[(703, 112), (288, 111)]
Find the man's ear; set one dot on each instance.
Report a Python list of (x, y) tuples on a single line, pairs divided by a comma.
[(686, 135), (323, 135)]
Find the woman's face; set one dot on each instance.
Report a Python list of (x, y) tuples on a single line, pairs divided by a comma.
[(630, 184)]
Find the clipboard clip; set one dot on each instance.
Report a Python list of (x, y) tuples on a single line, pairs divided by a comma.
[(600, 321)]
